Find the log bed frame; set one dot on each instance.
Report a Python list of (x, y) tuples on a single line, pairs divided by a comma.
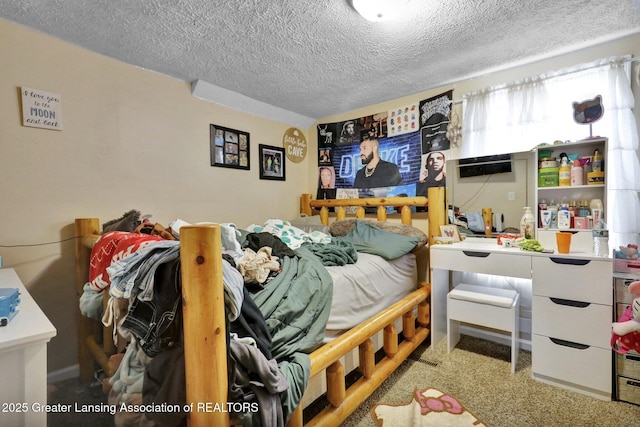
[(203, 304)]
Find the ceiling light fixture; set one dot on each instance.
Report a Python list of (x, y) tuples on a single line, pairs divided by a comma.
[(379, 10)]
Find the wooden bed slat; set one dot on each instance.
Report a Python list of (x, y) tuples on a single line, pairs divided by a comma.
[(409, 326), (367, 358), (336, 387), (363, 387), (390, 340), (328, 353)]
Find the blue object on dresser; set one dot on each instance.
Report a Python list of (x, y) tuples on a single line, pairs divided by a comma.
[(9, 300)]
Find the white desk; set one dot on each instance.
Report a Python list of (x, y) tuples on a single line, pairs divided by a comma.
[(572, 305), (23, 359)]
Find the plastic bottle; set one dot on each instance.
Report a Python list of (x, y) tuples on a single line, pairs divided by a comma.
[(553, 208), (577, 173), (564, 174), (573, 210), (596, 161), (527, 224), (597, 211), (564, 218), (600, 242), (584, 210), (542, 206)]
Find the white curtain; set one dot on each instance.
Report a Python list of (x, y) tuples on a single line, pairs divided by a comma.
[(505, 119), (519, 116)]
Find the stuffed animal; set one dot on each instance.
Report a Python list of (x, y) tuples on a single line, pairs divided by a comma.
[(627, 252), (632, 325)]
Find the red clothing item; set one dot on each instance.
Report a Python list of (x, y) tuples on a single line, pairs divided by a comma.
[(110, 247)]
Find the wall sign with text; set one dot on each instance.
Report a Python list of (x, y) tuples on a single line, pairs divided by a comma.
[(41, 109), (295, 145)]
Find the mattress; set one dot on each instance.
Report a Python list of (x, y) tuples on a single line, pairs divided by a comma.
[(365, 288)]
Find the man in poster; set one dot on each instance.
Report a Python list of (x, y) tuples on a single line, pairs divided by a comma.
[(376, 172), (435, 167)]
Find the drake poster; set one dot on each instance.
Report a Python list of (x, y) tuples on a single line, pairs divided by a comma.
[(400, 152)]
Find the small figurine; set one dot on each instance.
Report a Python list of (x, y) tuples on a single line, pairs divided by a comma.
[(628, 252)]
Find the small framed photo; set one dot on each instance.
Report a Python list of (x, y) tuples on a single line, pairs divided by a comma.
[(272, 163), (229, 147), (450, 231)]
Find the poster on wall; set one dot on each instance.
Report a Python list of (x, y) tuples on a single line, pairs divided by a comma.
[(41, 109), (403, 120), (435, 113), (366, 157)]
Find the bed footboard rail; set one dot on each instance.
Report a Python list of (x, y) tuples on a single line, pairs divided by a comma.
[(343, 401)]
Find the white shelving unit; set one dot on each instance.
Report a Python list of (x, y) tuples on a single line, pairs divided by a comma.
[(582, 238)]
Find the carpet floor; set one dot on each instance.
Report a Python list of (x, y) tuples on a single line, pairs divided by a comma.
[(477, 373)]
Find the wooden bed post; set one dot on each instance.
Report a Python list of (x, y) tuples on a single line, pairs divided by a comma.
[(84, 227), (305, 207), (437, 211), (204, 324)]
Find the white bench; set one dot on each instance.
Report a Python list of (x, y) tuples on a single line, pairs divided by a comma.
[(493, 308)]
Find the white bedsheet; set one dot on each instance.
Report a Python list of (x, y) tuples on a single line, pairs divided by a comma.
[(362, 289)]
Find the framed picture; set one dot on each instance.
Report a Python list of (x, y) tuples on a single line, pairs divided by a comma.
[(272, 163), (229, 147), (450, 231)]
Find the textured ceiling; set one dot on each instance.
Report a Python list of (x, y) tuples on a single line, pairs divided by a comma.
[(319, 57)]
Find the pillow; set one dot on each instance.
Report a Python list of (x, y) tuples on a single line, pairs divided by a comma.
[(475, 222), (372, 240), (309, 224), (342, 227)]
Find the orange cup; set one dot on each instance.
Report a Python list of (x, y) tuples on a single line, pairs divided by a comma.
[(564, 242)]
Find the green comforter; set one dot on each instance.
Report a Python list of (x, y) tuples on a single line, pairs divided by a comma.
[(296, 305)]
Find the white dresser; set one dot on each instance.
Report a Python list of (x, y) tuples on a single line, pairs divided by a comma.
[(572, 306), (23, 360), (571, 319)]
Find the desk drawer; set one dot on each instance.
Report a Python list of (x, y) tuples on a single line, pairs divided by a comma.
[(573, 278), (584, 323), (587, 367), (513, 265)]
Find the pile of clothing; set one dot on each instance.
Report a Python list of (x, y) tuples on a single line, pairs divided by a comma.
[(269, 333)]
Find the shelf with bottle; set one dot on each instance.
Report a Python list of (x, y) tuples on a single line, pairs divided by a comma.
[(576, 185)]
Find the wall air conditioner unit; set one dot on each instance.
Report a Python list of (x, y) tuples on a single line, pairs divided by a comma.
[(487, 165)]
